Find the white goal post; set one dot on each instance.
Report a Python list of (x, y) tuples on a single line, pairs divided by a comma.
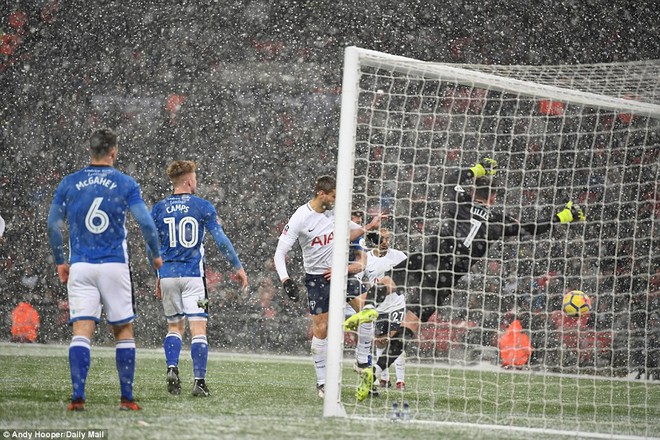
[(587, 133)]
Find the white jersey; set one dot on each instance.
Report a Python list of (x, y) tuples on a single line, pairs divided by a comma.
[(393, 301), (377, 267), (314, 231)]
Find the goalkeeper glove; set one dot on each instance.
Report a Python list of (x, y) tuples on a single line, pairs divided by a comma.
[(571, 213), (485, 166), (291, 289)]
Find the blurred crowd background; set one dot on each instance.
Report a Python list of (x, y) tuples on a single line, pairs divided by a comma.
[(251, 91)]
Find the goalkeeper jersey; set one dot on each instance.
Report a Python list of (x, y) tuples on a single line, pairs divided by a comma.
[(468, 226)]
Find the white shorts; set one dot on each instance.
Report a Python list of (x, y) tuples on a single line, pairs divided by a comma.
[(93, 287), (185, 296)]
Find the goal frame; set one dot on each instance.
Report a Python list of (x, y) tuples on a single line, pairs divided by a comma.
[(354, 58)]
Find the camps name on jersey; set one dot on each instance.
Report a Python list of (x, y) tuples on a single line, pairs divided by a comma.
[(177, 208), (96, 180)]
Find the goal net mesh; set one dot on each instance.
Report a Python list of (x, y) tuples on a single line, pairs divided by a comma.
[(584, 133)]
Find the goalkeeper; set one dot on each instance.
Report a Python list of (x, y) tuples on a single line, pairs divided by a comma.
[(463, 239)]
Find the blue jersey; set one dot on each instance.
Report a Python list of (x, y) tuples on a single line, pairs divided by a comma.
[(182, 221), (354, 246), (95, 201)]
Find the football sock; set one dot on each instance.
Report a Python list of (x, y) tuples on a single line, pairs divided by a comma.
[(365, 336), (79, 362), (385, 374), (172, 346), (400, 369), (125, 360), (199, 352), (319, 349)]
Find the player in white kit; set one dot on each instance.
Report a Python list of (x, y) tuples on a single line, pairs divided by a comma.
[(312, 226), (390, 303)]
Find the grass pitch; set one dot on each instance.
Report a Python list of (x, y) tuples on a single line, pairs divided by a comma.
[(274, 397)]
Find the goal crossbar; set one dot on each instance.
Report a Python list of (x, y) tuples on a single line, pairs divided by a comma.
[(408, 66)]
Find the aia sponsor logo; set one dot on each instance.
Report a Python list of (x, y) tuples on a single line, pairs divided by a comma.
[(322, 240)]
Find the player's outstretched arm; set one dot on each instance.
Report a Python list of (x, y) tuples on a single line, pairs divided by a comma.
[(358, 231), (571, 213), (486, 166)]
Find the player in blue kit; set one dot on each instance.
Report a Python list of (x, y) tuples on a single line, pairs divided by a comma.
[(182, 220), (95, 201)]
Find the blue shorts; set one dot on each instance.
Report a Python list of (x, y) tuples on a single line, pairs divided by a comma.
[(318, 294)]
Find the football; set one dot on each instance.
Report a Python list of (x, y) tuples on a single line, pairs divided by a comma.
[(576, 303)]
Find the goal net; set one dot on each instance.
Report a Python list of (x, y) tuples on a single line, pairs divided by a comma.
[(587, 133)]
